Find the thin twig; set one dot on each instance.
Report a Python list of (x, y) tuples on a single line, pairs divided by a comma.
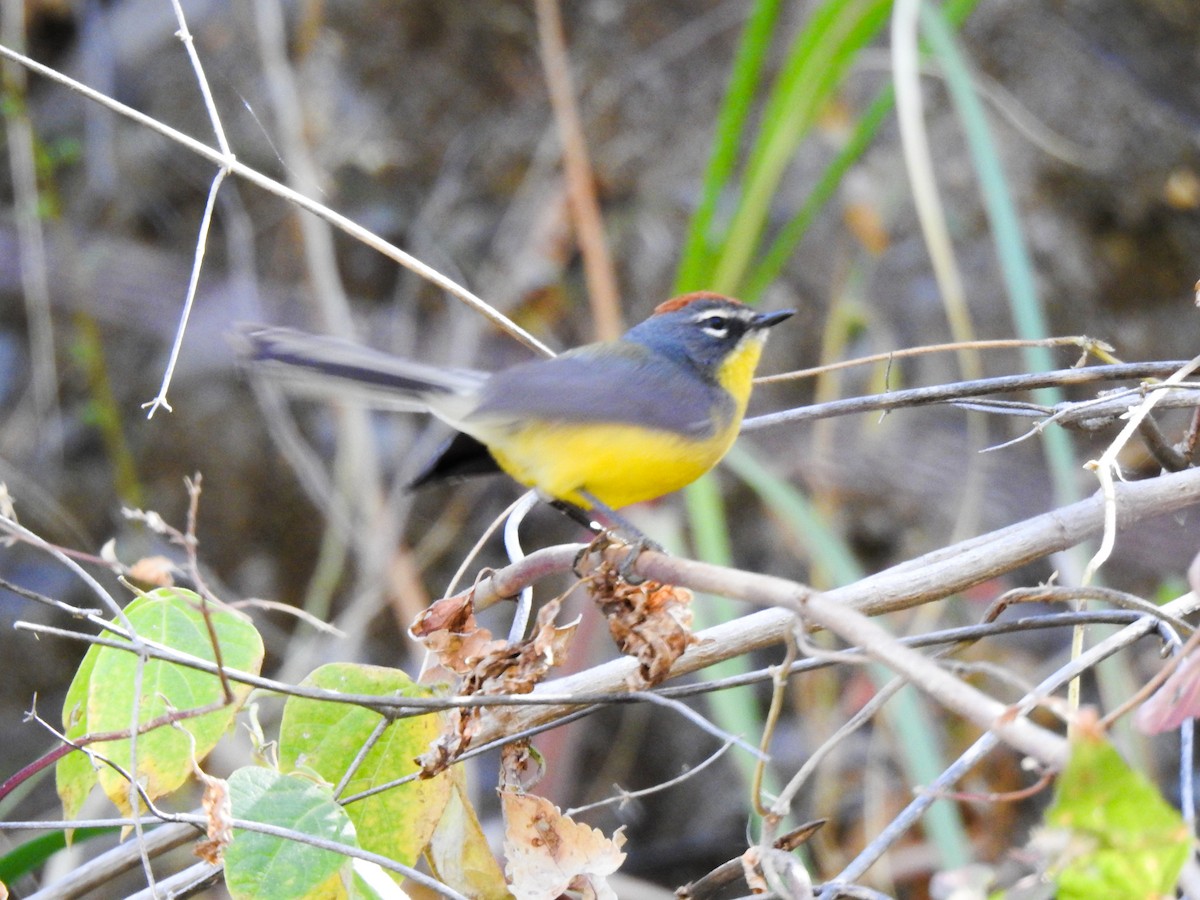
[(911, 814), (275, 606), (1160, 677), (782, 804), (1107, 468), (1168, 457), (414, 706), (360, 757), (12, 526), (223, 170), (1087, 344), (160, 400), (28, 594), (624, 796), (1053, 594), (1085, 414), (477, 547), (512, 545), (79, 743), (945, 393), (356, 231), (581, 183), (779, 682)]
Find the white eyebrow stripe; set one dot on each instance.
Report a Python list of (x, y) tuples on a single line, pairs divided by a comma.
[(746, 316)]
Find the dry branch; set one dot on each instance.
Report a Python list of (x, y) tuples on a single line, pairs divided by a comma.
[(930, 577)]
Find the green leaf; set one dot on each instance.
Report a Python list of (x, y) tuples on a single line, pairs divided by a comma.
[(34, 853), (753, 49), (324, 737), (101, 698), (266, 867), (73, 774), (1129, 841)]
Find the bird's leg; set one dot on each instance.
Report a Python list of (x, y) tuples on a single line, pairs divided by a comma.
[(578, 514), (617, 528), (626, 531)]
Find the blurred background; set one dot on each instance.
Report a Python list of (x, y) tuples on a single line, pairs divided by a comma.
[(429, 123)]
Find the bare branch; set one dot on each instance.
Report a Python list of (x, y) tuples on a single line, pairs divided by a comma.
[(944, 393), (350, 227)]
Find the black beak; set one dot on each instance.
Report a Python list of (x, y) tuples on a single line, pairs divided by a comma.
[(766, 320)]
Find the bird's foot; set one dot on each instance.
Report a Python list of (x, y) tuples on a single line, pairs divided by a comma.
[(633, 546)]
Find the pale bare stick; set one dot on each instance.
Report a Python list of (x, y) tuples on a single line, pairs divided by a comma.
[(349, 226), (1090, 346), (581, 183)]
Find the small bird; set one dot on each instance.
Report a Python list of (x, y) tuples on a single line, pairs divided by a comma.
[(596, 428)]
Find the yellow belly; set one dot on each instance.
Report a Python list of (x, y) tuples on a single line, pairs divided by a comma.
[(617, 464)]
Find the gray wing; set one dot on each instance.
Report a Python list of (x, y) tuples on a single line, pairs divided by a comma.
[(603, 383)]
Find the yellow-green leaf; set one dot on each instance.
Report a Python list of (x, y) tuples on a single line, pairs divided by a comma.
[(73, 774), (1130, 842), (459, 853), (101, 698), (325, 737)]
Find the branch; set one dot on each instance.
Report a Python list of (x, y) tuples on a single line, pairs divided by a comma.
[(356, 231), (943, 393), (930, 577)]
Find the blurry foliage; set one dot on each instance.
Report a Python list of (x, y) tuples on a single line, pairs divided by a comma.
[(779, 125)]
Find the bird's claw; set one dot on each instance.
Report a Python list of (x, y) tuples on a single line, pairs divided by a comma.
[(633, 549), (601, 542)]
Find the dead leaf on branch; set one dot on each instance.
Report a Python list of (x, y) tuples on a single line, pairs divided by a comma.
[(521, 766), (549, 854), (218, 810), (448, 630), (651, 621), (485, 666)]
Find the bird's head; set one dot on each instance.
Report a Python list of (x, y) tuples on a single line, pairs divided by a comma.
[(706, 330)]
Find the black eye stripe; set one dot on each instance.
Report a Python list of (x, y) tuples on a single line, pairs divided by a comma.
[(721, 323)]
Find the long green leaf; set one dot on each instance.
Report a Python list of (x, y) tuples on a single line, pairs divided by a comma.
[(822, 53), (696, 261)]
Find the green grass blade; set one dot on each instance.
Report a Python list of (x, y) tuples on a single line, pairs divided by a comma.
[(695, 263), (819, 58), (771, 263), (34, 853), (907, 715), (781, 249), (735, 711), (1016, 266)]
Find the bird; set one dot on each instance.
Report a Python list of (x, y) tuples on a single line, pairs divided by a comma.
[(592, 430)]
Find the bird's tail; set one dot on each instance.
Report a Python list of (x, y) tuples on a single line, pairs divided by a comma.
[(325, 366)]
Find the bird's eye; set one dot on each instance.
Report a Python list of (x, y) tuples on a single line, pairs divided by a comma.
[(718, 326)]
